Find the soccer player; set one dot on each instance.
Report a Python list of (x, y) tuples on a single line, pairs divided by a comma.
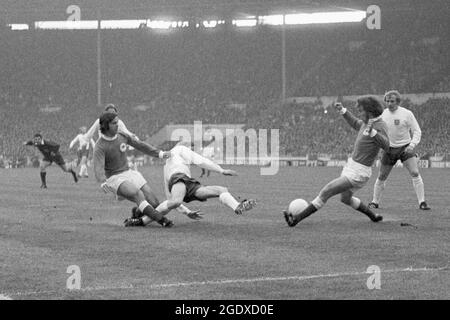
[(180, 187), (82, 151), (112, 170), (372, 135), (50, 151), (96, 125), (401, 124)]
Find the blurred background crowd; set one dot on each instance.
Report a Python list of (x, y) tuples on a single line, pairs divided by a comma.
[(48, 82)]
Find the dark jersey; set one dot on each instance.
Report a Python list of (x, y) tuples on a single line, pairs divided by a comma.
[(47, 147)]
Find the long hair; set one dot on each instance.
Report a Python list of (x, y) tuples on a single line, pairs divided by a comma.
[(105, 119), (371, 105)]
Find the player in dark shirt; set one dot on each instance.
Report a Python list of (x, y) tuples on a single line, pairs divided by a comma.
[(50, 151)]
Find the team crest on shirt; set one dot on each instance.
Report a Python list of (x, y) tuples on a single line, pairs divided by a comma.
[(396, 122), (123, 147)]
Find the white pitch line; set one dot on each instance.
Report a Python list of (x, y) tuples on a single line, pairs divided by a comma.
[(225, 281)]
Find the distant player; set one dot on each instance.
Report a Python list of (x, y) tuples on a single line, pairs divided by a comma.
[(82, 151), (372, 135), (401, 125), (96, 125), (181, 187), (50, 151)]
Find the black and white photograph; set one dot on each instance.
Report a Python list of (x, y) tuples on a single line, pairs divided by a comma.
[(217, 158)]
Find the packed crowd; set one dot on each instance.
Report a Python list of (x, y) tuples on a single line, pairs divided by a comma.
[(48, 82)]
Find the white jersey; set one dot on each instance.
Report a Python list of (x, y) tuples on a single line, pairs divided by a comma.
[(82, 142), (180, 161), (96, 128), (401, 124)]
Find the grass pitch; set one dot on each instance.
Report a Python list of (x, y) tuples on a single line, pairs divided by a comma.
[(224, 256)]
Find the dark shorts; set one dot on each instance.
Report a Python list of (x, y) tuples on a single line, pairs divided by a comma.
[(84, 151), (56, 158), (192, 186), (390, 158)]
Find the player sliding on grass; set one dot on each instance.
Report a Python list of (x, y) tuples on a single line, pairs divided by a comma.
[(180, 187), (112, 171), (50, 151), (372, 136)]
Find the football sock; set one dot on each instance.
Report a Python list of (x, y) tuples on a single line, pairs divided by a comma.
[(364, 209), (43, 176), (419, 188), (309, 210), (378, 190), (227, 199), (355, 202), (318, 202), (150, 213), (83, 170)]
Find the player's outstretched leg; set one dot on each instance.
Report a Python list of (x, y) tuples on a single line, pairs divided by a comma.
[(129, 191), (293, 221)]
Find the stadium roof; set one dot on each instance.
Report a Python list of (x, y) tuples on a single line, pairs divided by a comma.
[(15, 11)]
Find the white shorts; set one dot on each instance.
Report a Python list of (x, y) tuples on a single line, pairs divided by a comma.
[(133, 176), (358, 174)]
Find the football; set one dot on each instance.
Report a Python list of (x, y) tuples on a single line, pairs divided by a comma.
[(297, 206)]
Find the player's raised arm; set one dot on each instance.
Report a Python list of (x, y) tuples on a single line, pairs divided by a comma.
[(74, 141), (353, 121), (123, 129), (92, 130)]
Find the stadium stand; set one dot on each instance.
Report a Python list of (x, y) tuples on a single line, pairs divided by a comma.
[(48, 82)]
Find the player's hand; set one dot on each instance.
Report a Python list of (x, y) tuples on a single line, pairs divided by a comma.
[(195, 215), (105, 187), (409, 148), (228, 172)]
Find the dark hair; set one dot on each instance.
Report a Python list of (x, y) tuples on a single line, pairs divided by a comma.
[(38, 135), (371, 105), (110, 106), (105, 119)]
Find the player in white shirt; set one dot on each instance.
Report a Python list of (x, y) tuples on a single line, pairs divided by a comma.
[(96, 125), (82, 151), (181, 187), (404, 135)]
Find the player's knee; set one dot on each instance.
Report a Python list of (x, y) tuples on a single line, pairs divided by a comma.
[(222, 190)]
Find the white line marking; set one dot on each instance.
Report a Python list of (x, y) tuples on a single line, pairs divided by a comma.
[(5, 297), (224, 281)]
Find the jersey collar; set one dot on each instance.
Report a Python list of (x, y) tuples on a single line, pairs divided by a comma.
[(108, 138)]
